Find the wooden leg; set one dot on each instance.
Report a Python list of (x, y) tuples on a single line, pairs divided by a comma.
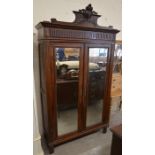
[(51, 148), (104, 130), (48, 148)]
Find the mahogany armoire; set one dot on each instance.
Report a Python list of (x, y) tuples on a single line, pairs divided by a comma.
[(76, 62)]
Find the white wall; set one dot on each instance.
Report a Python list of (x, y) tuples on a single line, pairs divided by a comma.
[(37, 116), (110, 10)]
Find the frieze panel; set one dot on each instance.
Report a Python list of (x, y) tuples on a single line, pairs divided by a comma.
[(76, 34)]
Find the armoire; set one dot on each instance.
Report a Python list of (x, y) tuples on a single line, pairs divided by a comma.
[(76, 63)]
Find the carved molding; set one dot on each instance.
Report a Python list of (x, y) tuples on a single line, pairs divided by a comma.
[(86, 15), (76, 34), (88, 11)]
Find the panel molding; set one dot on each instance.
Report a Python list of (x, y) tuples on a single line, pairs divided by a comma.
[(77, 34)]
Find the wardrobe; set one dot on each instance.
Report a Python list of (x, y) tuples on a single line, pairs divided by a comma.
[(76, 63)]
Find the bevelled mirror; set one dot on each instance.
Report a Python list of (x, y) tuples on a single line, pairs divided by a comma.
[(67, 82), (96, 84)]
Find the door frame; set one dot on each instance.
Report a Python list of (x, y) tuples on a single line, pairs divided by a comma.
[(106, 96), (80, 86)]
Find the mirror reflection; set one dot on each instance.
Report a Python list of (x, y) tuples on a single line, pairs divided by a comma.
[(96, 82), (67, 82)]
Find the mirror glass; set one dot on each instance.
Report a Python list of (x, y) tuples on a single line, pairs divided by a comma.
[(96, 82), (67, 82)]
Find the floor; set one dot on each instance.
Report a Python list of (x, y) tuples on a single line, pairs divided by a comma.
[(94, 144)]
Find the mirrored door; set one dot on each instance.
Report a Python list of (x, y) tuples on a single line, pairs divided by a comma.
[(97, 62), (67, 88)]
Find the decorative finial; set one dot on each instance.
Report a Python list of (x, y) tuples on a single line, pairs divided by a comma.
[(86, 15), (89, 7), (88, 11)]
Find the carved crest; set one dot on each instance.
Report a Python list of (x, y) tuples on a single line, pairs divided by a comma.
[(88, 11), (86, 15), (85, 19)]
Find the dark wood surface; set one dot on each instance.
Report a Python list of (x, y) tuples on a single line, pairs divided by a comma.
[(117, 130), (83, 33), (116, 147)]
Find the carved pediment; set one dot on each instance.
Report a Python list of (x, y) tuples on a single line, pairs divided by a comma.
[(86, 15), (85, 19), (88, 12)]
